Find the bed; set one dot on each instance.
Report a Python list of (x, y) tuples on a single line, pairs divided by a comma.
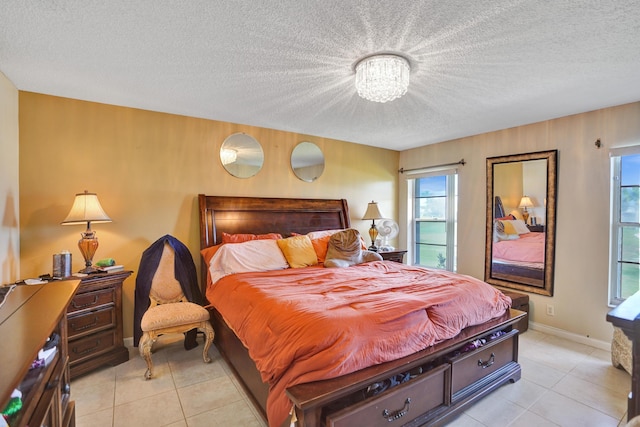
[(518, 257), (425, 387)]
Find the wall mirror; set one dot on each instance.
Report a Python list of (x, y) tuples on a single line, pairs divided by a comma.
[(520, 253), (241, 155), (307, 161)]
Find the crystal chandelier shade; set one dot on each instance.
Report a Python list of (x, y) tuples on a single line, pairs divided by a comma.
[(382, 78)]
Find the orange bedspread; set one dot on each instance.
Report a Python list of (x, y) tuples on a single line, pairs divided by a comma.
[(307, 324)]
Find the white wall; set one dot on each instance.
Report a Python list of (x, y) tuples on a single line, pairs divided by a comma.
[(9, 180), (582, 219)]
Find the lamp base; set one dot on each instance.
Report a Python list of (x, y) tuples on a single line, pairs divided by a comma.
[(373, 234), (90, 270)]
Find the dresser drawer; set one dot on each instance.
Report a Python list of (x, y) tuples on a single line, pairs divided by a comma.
[(91, 322), (92, 300), (91, 345), (468, 368), (399, 405)]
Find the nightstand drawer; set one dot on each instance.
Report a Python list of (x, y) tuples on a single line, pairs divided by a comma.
[(398, 405), (91, 322), (92, 300), (468, 368), (91, 346)]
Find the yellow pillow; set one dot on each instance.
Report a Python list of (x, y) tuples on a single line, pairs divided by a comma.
[(509, 228), (298, 251)]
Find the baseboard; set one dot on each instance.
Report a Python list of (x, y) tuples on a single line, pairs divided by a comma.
[(128, 342), (602, 345)]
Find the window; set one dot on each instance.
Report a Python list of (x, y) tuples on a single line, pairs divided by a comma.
[(435, 201), (625, 225)]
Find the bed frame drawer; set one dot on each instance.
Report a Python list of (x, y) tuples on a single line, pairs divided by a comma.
[(398, 405), (470, 367)]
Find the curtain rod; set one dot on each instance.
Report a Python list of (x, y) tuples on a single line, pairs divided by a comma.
[(461, 162)]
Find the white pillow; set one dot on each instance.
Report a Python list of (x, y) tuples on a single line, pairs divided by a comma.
[(520, 226), (254, 255)]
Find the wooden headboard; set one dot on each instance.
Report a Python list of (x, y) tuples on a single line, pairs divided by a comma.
[(260, 215)]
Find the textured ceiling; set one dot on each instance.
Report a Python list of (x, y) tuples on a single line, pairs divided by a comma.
[(476, 66)]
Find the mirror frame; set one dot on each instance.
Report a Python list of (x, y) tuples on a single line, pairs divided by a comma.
[(550, 222), (298, 156), (249, 152)]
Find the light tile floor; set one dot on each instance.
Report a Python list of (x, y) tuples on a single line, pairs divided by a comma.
[(563, 384)]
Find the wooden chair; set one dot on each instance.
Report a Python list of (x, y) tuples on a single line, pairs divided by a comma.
[(170, 312)]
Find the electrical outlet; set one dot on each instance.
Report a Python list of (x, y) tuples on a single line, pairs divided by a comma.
[(551, 311)]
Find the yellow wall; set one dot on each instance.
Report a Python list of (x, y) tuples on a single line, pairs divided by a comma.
[(9, 190), (147, 169), (582, 219)]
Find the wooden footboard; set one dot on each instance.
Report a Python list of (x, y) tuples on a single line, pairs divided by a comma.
[(446, 379)]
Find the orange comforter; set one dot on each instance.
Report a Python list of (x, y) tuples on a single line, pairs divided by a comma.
[(313, 323)]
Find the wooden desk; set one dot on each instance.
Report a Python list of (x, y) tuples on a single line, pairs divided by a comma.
[(28, 317)]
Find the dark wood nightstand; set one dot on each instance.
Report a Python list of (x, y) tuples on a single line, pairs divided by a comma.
[(397, 255), (536, 228), (94, 319)]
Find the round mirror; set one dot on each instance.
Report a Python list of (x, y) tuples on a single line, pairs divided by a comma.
[(307, 161), (241, 155)]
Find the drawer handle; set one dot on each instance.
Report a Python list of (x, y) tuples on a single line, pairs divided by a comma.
[(392, 416), (488, 363), (88, 350), (95, 300), (87, 326)]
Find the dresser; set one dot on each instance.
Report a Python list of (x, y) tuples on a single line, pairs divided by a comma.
[(94, 318), (29, 316)]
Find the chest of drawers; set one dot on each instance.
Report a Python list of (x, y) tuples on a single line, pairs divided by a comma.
[(94, 321)]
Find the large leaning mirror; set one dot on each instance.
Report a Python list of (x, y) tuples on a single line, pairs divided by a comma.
[(521, 221), (307, 161), (241, 155)]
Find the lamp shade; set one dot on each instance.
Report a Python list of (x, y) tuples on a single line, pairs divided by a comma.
[(86, 208), (372, 211), (525, 202)]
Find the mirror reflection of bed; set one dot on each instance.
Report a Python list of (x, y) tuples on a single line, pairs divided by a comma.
[(518, 259)]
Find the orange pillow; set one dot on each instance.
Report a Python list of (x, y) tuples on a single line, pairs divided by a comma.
[(208, 253), (320, 246), (240, 238)]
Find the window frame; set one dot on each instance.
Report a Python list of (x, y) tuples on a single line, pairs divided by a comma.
[(616, 223), (451, 215)]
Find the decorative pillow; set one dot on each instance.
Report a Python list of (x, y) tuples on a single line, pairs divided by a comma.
[(520, 226), (511, 217), (320, 246), (254, 255), (298, 250), (345, 249), (208, 253), (240, 238), (320, 241), (506, 227), (504, 230)]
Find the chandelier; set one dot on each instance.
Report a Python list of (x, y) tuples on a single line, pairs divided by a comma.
[(382, 78)]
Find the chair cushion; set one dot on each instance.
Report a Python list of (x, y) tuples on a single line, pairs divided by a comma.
[(172, 315)]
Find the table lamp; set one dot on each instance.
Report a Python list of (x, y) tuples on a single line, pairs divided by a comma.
[(525, 203), (86, 209), (373, 213)]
